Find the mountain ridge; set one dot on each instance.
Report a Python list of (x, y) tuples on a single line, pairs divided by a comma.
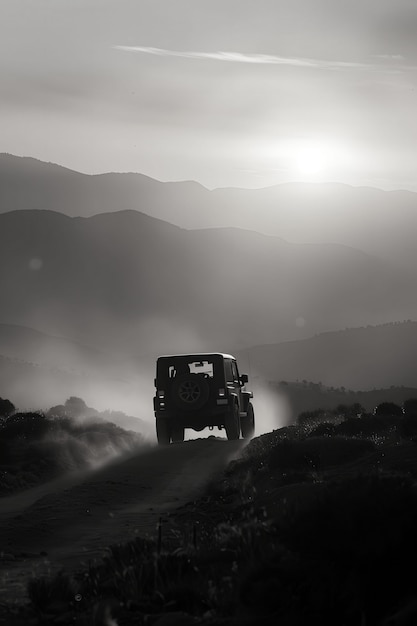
[(361, 358), (380, 222), (71, 276)]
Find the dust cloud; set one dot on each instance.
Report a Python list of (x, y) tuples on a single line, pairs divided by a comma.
[(271, 409)]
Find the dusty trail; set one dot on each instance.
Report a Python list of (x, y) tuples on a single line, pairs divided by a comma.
[(73, 520)]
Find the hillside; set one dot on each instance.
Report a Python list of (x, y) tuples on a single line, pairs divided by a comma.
[(356, 358), (128, 283), (300, 527), (307, 397), (379, 222)]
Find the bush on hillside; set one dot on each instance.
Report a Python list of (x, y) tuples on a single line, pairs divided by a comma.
[(313, 418), (335, 558), (31, 425), (6, 407), (388, 408), (410, 407), (35, 448), (76, 407), (325, 429), (350, 410), (369, 425), (408, 427), (317, 453)]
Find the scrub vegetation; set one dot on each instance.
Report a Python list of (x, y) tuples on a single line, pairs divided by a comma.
[(38, 446), (313, 523)]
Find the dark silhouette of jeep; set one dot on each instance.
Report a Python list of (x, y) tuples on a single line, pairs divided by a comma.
[(198, 391)]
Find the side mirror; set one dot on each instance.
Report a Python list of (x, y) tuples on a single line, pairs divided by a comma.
[(244, 379), (154, 382)]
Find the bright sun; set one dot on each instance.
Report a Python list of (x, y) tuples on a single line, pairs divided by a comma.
[(309, 160)]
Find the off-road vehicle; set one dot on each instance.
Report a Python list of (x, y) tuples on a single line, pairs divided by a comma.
[(198, 391)]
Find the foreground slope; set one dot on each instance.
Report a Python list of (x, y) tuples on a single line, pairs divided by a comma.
[(73, 520), (310, 524)]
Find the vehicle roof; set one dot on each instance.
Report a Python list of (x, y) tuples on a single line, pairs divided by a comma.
[(197, 355)]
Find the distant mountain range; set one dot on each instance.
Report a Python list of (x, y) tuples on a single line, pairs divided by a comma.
[(132, 284), (125, 268), (379, 222)]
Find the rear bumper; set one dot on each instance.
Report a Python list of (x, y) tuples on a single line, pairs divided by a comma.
[(199, 419)]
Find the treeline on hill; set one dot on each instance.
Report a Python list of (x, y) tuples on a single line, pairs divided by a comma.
[(309, 396), (314, 523), (38, 446)]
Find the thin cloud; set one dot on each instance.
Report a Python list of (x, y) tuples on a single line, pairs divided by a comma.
[(262, 59), (390, 57)]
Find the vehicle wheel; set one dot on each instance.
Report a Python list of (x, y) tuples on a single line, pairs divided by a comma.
[(163, 431), (177, 434), (232, 423), (190, 392), (248, 423)]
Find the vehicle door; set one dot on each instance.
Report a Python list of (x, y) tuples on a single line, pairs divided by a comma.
[(232, 379)]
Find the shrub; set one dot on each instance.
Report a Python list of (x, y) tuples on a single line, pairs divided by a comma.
[(276, 587), (326, 429), (388, 408), (6, 407), (408, 427), (347, 554), (57, 412), (75, 407), (43, 591), (25, 425), (350, 410), (410, 407), (361, 526), (368, 425), (316, 417), (317, 452)]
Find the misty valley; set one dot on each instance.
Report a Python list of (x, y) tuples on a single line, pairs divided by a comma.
[(311, 517)]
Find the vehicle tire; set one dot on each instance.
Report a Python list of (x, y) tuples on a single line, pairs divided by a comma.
[(232, 423), (163, 431), (247, 423), (190, 392), (177, 434)]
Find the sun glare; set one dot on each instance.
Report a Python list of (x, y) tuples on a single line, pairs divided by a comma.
[(310, 160)]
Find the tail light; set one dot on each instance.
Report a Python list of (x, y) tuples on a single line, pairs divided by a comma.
[(222, 393)]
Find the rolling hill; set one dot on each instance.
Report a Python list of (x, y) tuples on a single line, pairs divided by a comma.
[(130, 284), (355, 358), (379, 222)]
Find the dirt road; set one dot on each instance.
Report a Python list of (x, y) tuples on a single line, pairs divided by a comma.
[(70, 522)]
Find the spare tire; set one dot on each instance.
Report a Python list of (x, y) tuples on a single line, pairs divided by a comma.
[(190, 392)]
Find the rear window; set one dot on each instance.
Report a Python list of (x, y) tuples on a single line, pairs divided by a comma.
[(171, 367)]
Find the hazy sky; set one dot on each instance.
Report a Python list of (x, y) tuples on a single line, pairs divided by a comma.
[(225, 92)]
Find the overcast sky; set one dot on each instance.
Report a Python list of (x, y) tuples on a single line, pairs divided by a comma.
[(226, 92)]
